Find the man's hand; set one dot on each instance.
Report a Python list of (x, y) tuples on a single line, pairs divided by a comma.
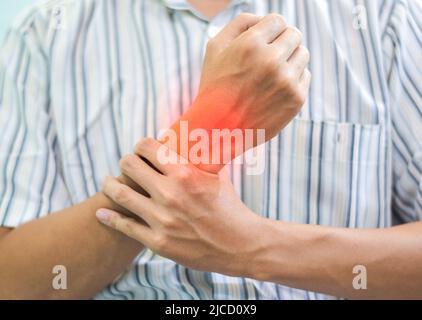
[(196, 219), (192, 217), (254, 77), (261, 74)]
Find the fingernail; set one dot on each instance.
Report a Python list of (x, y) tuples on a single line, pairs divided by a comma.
[(103, 216)]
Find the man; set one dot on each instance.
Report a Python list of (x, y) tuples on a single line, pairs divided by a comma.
[(75, 99)]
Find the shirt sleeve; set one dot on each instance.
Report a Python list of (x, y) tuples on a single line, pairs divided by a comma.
[(31, 184), (402, 43)]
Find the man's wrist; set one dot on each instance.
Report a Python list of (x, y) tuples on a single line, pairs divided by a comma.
[(258, 263), (292, 253)]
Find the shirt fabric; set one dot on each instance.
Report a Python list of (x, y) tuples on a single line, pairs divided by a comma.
[(81, 81)]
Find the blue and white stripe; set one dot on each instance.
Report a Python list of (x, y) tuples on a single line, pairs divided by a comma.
[(81, 81)]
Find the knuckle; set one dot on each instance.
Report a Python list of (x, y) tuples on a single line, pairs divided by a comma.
[(128, 226), (299, 98), (144, 145), (168, 222), (130, 230), (128, 161), (270, 66), (122, 194), (305, 52), (169, 199), (161, 243), (184, 175), (245, 17), (199, 191), (106, 184), (296, 32), (120, 224), (286, 81), (308, 74), (250, 43), (277, 19)]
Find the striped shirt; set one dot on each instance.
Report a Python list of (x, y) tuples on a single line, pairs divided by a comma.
[(81, 81)]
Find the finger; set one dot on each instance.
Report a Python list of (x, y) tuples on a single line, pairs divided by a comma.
[(159, 155), (150, 149), (235, 28), (269, 28), (287, 42), (299, 60), (126, 225), (305, 80), (129, 199), (141, 173)]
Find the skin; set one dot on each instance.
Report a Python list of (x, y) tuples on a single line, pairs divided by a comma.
[(209, 8), (196, 219), (93, 258), (96, 256)]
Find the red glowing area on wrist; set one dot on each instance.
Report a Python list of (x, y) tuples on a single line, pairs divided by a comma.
[(211, 140)]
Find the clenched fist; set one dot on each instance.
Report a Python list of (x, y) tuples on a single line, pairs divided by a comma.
[(255, 76), (261, 74)]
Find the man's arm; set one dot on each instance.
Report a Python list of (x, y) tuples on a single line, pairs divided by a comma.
[(4, 231), (93, 255), (198, 220), (324, 260)]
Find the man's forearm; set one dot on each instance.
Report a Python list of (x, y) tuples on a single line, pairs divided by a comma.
[(92, 254), (323, 259)]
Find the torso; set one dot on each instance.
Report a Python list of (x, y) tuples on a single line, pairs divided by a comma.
[(123, 70)]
